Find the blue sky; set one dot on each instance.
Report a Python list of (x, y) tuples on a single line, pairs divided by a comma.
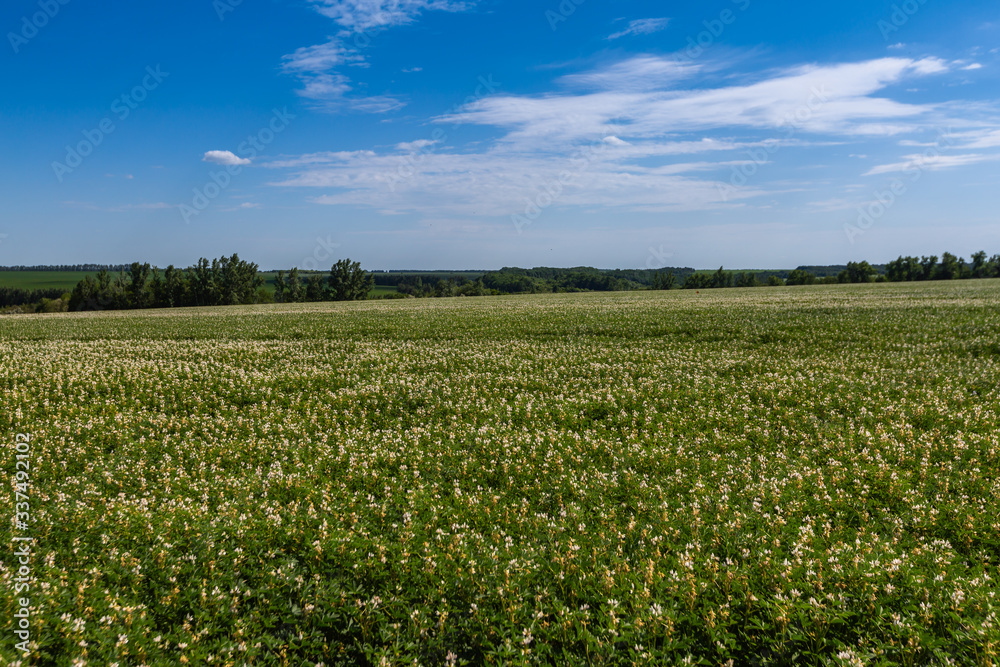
[(485, 133)]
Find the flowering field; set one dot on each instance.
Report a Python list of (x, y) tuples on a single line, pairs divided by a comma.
[(738, 477)]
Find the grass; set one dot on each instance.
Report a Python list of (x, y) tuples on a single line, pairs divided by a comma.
[(67, 280), (31, 280), (747, 477)]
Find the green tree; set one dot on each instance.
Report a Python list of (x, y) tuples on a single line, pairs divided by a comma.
[(722, 279), (175, 287), (858, 272), (800, 277), (993, 267), (928, 266), (204, 291), (948, 269), (904, 269), (294, 290), (349, 282), (979, 264), (138, 277), (84, 295), (698, 281), (315, 288), (279, 287), (157, 290)]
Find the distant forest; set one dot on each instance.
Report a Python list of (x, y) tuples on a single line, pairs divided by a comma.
[(68, 267), (232, 281)]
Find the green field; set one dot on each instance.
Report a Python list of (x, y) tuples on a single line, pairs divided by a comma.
[(30, 280), (67, 280), (788, 476)]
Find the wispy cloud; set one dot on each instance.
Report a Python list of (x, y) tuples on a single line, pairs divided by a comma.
[(982, 139), (123, 208), (320, 58), (923, 162), (640, 94), (318, 67), (361, 15), (495, 184), (638, 73), (227, 158), (245, 206), (642, 27), (632, 135)]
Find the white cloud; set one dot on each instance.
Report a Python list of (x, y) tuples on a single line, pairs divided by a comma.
[(376, 105), (227, 158), (320, 58), (936, 162), (637, 135), (983, 139), (316, 66), (639, 97), (642, 27), (410, 146), (362, 15), (329, 87), (500, 185), (929, 66), (973, 66), (639, 73)]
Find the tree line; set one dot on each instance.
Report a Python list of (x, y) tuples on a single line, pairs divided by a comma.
[(347, 281), (66, 267), (903, 269), (226, 281), (221, 282), (36, 298), (232, 281), (949, 267)]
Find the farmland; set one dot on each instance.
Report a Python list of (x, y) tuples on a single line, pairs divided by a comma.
[(31, 280), (67, 280), (763, 476)]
